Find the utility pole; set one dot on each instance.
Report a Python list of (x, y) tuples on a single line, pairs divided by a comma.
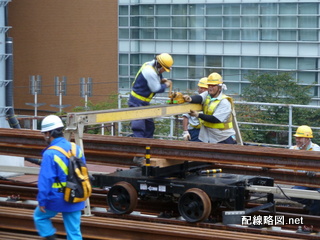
[(35, 89), (86, 90), (60, 89)]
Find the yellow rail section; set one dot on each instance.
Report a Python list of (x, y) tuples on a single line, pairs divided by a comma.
[(75, 119), (145, 112)]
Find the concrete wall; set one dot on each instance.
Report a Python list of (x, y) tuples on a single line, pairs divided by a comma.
[(74, 38)]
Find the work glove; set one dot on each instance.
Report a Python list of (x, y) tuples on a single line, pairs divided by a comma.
[(193, 113), (186, 136), (168, 83), (187, 98), (163, 80), (311, 174)]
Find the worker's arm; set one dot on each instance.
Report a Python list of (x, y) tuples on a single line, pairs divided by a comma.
[(153, 82), (193, 99), (185, 123), (208, 118), (221, 113), (185, 134)]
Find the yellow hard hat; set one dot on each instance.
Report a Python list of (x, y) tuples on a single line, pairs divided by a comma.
[(214, 79), (304, 131), (203, 82), (165, 60)]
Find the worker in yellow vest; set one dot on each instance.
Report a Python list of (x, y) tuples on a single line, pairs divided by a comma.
[(217, 116), (303, 137), (148, 82)]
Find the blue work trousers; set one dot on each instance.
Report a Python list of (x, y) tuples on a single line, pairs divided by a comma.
[(229, 140), (143, 128), (194, 134), (71, 221)]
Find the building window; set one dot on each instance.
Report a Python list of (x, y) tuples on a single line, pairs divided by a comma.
[(288, 35), (179, 22), (179, 34), (213, 34), (231, 62), (268, 63), (308, 8), (249, 62), (147, 10), (232, 34), (287, 63), (217, 28), (163, 22)]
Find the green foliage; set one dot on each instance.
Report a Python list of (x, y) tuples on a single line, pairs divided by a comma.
[(270, 88), (110, 103)]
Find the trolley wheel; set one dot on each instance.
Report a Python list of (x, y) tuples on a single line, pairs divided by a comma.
[(195, 205), (122, 198)]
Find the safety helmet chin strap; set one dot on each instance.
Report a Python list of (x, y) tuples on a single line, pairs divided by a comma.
[(156, 66), (304, 143)]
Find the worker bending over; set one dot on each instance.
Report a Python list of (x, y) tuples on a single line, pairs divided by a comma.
[(147, 83), (217, 115)]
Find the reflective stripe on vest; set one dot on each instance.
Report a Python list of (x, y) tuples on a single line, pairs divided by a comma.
[(199, 125), (145, 99), (209, 108), (61, 163), (136, 95), (196, 126)]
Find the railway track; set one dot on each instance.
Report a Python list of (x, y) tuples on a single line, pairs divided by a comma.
[(149, 213), (102, 225), (280, 164)]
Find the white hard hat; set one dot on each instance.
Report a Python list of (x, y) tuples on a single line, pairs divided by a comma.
[(51, 122)]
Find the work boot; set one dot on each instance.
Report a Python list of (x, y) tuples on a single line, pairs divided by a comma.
[(52, 237), (138, 161)]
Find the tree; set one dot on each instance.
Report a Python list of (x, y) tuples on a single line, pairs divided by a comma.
[(110, 103), (271, 88), (281, 88)]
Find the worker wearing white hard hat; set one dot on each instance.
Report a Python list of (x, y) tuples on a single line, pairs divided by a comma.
[(51, 182)]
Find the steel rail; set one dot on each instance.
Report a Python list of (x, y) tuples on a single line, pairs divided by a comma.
[(30, 142), (99, 227), (28, 191), (121, 150)]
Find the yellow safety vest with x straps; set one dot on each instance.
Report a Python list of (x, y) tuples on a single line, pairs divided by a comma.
[(136, 95), (209, 108), (61, 163)]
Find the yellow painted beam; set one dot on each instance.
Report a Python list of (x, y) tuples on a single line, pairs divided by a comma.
[(127, 114)]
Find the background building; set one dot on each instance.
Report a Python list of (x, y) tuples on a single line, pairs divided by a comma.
[(67, 40), (231, 37)]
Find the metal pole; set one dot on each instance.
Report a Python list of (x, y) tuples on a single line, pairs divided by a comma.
[(119, 124), (60, 97), (34, 121), (290, 127)]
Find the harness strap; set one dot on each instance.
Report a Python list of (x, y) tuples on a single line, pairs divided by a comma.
[(61, 163)]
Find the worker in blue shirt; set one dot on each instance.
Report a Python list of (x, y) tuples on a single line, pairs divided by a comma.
[(147, 83), (52, 179)]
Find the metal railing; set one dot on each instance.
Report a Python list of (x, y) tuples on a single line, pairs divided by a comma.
[(123, 129)]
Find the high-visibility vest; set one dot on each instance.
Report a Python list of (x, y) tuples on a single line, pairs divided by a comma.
[(136, 95), (61, 163), (209, 108)]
